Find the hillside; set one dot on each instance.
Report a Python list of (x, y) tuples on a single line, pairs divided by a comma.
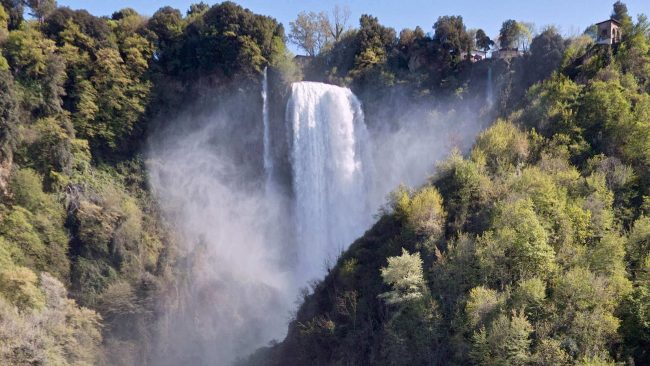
[(532, 249)]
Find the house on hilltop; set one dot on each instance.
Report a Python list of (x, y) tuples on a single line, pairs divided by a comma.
[(302, 60), (506, 53), (475, 55), (609, 32)]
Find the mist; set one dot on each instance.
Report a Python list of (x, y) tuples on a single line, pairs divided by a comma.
[(248, 246), (236, 294), (407, 154)]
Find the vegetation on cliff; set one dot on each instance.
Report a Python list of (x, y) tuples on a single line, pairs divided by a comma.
[(531, 249)]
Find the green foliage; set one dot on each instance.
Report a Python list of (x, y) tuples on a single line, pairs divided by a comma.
[(4, 24), (547, 52), (505, 342), (225, 39), (374, 41), (634, 54), (482, 41), (59, 332), (509, 34), (120, 100), (311, 32), (530, 296), (532, 250), (550, 352), (635, 322), (503, 146), (33, 227), (551, 110), (453, 37), (605, 108), (14, 10), (404, 275), (482, 305), (620, 13), (28, 51), (47, 147), (19, 286), (423, 215), (638, 246), (518, 246), (411, 336), (77, 94)]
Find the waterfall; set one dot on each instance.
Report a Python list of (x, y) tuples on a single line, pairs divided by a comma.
[(489, 93), (246, 249), (329, 147), (268, 159)]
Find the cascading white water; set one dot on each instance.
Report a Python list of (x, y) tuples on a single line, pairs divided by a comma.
[(489, 93), (330, 164), (268, 159)]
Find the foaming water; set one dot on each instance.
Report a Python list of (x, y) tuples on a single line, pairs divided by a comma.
[(331, 167)]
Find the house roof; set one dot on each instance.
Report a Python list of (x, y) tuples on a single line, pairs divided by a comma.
[(610, 20)]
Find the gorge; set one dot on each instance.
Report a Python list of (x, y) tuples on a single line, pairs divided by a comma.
[(299, 231)]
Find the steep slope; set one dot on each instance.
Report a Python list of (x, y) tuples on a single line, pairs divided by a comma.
[(530, 250)]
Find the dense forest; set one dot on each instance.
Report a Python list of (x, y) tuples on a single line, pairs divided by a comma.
[(532, 248)]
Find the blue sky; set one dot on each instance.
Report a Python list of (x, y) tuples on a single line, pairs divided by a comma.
[(570, 16)]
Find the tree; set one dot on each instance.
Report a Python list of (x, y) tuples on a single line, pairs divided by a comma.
[(15, 10), (229, 40), (197, 9), (547, 51), (524, 35), (453, 37), (481, 306), (41, 8), (638, 246), (506, 341), (124, 14), (339, 22), (51, 153), (620, 13), (4, 25), (167, 26), (374, 41), (509, 34), (311, 32), (517, 248), (374, 35), (635, 323), (426, 215), (120, 102), (35, 224), (605, 115), (8, 119), (586, 303), (58, 332), (634, 54), (28, 52), (483, 42), (502, 146), (404, 275)]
